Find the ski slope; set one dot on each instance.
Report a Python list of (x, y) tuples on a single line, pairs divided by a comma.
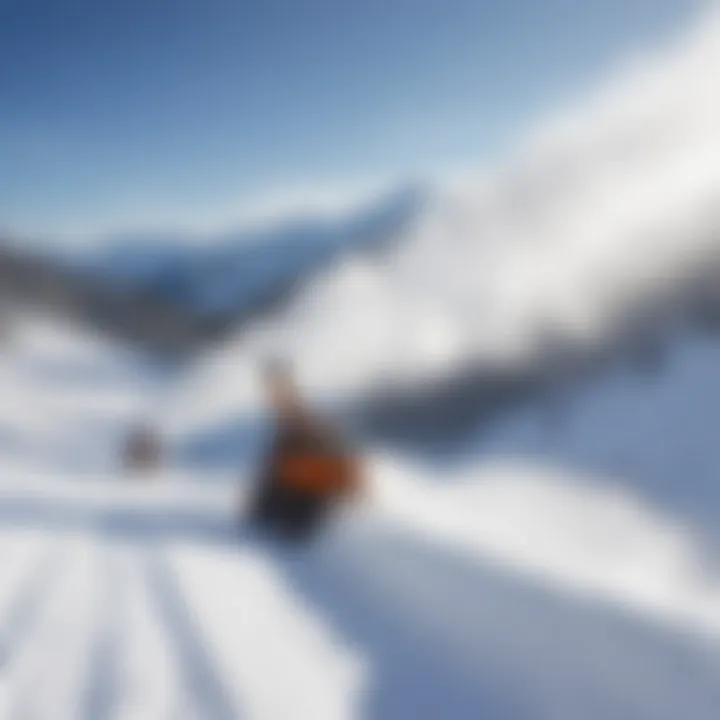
[(495, 594)]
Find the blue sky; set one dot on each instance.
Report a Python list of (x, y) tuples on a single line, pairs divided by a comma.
[(122, 114)]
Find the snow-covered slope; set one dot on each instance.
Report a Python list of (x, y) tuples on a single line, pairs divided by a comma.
[(506, 589), (649, 432)]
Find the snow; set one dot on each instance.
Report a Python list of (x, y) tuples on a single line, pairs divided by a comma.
[(524, 580), (579, 535), (506, 589), (246, 603)]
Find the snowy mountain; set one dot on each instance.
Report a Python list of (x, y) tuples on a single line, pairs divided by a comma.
[(236, 274), (603, 228), (605, 217)]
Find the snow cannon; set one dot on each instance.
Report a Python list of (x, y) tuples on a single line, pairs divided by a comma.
[(142, 451), (304, 479)]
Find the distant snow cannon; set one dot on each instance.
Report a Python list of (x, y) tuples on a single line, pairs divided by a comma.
[(142, 452)]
